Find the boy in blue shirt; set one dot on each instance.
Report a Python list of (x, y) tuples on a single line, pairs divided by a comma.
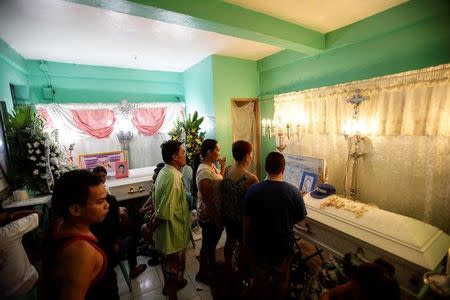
[(270, 210)]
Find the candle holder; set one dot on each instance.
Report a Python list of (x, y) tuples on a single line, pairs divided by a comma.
[(355, 140), (272, 128)]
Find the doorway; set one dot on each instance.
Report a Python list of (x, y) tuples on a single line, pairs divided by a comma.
[(245, 126)]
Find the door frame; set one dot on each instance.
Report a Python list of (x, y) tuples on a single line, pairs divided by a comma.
[(256, 148)]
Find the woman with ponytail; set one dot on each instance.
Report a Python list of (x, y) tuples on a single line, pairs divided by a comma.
[(208, 178)]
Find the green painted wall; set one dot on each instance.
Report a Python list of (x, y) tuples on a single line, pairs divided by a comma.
[(424, 44), (232, 78), (12, 71), (83, 83), (199, 92)]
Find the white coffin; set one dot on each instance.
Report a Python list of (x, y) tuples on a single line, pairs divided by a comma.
[(412, 246), (138, 184)]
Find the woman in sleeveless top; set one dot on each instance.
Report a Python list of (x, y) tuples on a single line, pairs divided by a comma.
[(74, 264), (236, 181), (208, 178)]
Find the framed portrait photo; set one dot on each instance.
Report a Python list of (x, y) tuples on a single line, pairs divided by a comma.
[(104, 159), (308, 182), (121, 169)]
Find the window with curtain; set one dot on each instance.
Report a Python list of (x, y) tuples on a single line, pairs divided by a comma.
[(92, 128)]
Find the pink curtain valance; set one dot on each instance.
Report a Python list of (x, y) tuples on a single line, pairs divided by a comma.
[(149, 120), (97, 122)]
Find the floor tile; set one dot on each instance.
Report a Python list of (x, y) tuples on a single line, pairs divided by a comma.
[(147, 281), (155, 294), (192, 266), (199, 287)]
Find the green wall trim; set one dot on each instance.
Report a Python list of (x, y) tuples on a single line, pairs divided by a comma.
[(394, 19), (424, 44), (199, 92), (12, 57), (12, 71), (84, 84), (279, 59), (70, 70), (224, 18)]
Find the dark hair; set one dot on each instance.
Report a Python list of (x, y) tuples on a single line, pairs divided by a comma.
[(377, 280), (168, 149), (241, 149), (156, 171), (275, 163), (72, 188), (99, 169), (207, 145)]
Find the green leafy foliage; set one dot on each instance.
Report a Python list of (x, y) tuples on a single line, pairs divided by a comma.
[(29, 145), (188, 132)]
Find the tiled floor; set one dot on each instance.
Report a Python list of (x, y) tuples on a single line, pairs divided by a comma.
[(148, 285)]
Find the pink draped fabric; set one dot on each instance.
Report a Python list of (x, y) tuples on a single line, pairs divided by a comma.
[(97, 122), (45, 117), (149, 120)]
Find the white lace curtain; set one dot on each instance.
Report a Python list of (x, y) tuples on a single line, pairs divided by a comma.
[(144, 150), (244, 127), (405, 168), (410, 103)]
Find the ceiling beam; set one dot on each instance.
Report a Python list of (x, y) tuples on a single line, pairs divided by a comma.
[(391, 20), (223, 18)]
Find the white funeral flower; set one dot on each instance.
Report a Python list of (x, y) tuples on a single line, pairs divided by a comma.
[(36, 144), (29, 145), (54, 161), (33, 158), (35, 172), (31, 151), (38, 151)]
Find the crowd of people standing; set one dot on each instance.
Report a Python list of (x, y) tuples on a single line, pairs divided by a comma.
[(87, 239), (254, 215)]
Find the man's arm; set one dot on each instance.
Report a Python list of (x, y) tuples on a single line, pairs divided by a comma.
[(6, 217), (299, 207), (81, 264), (19, 227)]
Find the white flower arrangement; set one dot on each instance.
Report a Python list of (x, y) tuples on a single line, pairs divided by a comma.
[(47, 159), (37, 158)]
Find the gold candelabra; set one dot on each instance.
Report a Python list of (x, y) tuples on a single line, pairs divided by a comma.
[(280, 131), (353, 134)]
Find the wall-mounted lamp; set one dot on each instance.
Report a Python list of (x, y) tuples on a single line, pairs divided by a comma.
[(280, 130), (125, 134), (353, 133)]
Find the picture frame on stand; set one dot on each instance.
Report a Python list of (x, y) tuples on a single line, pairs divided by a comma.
[(121, 169)]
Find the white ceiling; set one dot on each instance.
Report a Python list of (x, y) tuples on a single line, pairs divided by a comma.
[(60, 31), (323, 16), (56, 30)]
